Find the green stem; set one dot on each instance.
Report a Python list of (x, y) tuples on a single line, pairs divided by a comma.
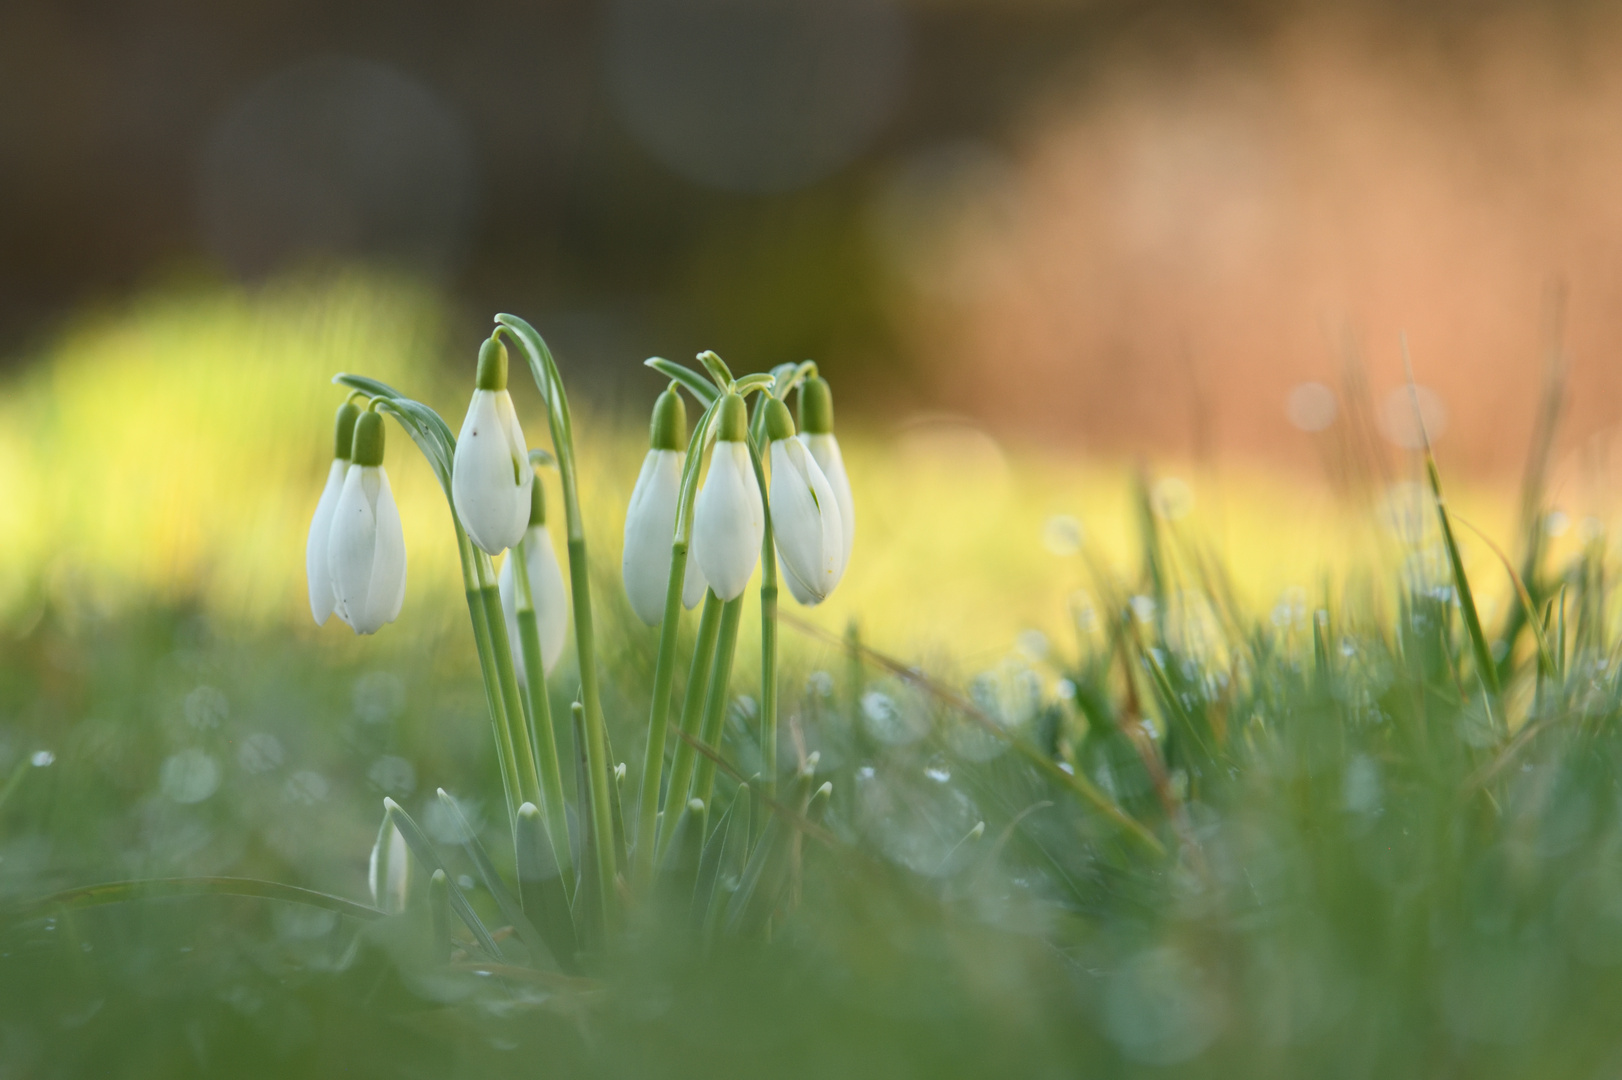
[(681, 768), (715, 701), (768, 617), (545, 372), (518, 742), (487, 667), (768, 677), (653, 760), (664, 671), (543, 737)]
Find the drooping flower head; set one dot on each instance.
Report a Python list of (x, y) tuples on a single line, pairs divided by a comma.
[(490, 473), (650, 519), (366, 554), (548, 597), (805, 513), (817, 433), (322, 597), (729, 518)]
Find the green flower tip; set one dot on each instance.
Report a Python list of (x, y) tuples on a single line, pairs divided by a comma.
[(669, 428), (734, 420), (368, 439), (343, 438), (779, 424), (537, 503), (492, 365), (816, 407)]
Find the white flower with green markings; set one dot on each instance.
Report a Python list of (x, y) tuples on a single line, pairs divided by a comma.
[(366, 555), (323, 599), (650, 519), (547, 594), (490, 472), (805, 513), (729, 518), (817, 433)]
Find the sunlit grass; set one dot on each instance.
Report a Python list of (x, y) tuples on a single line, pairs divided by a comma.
[(174, 449)]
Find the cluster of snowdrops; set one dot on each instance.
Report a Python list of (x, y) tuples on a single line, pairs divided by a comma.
[(774, 495)]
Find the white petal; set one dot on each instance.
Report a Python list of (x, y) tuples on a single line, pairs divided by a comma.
[(805, 522), (825, 449), (551, 597), (352, 545), (387, 591), (548, 595), (693, 585), (729, 521), (490, 473), (315, 550), (650, 528)]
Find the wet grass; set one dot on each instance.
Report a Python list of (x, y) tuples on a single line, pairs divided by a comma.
[(1352, 833)]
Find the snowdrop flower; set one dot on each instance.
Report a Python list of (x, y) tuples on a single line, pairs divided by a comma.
[(805, 514), (366, 554), (322, 598), (546, 591), (817, 433), (491, 474), (650, 520), (729, 519)]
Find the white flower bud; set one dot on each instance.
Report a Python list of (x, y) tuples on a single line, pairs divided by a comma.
[(729, 519), (825, 451), (805, 523), (490, 473), (366, 554), (547, 595), (650, 530)]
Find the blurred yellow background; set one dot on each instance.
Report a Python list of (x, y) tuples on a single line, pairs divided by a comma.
[(173, 450)]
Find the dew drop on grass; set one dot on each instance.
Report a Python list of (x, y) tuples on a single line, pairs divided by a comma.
[(378, 697), (393, 776), (260, 753), (1062, 534), (189, 776), (42, 759), (938, 771), (1172, 498), (305, 788), (1311, 407), (206, 707)]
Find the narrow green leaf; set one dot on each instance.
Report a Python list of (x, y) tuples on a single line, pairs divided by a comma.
[(119, 892), (720, 374), (439, 909), (541, 887), (510, 909), (702, 389), (423, 849), (709, 860)]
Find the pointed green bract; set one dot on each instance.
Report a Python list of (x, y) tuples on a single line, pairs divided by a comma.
[(816, 406), (668, 428)]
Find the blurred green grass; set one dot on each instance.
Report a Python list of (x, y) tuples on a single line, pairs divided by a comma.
[(1364, 877)]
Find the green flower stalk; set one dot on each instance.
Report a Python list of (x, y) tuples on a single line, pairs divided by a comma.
[(545, 372)]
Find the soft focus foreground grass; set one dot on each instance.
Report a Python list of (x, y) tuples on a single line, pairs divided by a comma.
[(1363, 876)]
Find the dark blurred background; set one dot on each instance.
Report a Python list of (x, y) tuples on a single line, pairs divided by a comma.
[(1124, 223)]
